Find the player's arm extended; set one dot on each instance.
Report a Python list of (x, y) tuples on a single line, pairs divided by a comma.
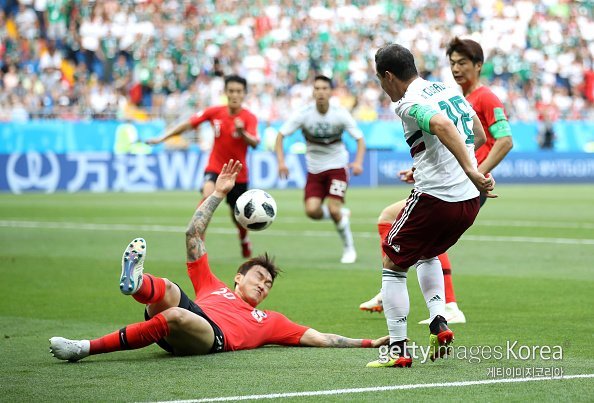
[(195, 247), (174, 131), (313, 338)]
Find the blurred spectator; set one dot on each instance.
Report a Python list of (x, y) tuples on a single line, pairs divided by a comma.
[(86, 58), (546, 136)]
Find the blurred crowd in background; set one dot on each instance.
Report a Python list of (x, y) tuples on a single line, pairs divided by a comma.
[(134, 59)]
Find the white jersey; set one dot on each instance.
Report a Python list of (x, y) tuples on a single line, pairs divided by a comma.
[(325, 149), (437, 172)]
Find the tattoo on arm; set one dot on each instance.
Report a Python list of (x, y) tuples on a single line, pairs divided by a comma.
[(335, 340), (195, 247)]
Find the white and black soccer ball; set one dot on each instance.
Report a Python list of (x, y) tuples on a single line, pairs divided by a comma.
[(255, 210)]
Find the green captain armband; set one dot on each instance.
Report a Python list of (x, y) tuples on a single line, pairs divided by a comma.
[(501, 127), (422, 114)]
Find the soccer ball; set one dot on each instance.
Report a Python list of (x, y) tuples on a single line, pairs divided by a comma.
[(255, 210)]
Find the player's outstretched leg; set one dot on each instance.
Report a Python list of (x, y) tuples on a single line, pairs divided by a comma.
[(69, 350), (145, 289), (440, 338), (132, 266)]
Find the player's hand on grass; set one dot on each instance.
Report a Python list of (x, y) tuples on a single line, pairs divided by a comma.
[(283, 171), (227, 177), (356, 167), (407, 175), (382, 341)]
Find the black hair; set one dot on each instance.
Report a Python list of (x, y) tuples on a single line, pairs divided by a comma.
[(321, 77), (265, 261), (396, 59), (234, 78), (468, 48)]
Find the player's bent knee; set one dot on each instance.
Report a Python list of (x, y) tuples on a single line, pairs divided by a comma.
[(172, 291), (335, 209), (179, 319), (390, 213), (315, 214), (189, 334), (174, 316), (388, 264), (384, 217)]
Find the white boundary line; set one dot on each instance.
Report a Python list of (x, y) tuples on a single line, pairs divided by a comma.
[(271, 232), (376, 389)]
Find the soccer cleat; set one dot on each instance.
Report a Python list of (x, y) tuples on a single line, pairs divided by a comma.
[(453, 314), (132, 266), (70, 350), (373, 305), (246, 249), (400, 360), (349, 255), (440, 338)]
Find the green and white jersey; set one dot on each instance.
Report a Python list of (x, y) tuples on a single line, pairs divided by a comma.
[(437, 172), (323, 132)]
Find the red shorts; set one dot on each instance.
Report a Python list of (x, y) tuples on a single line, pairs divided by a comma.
[(427, 227), (331, 183)]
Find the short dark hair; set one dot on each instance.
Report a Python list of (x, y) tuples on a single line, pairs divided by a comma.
[(234, 78), (396, 59), (467, 47), (321, 77), (265, 261)]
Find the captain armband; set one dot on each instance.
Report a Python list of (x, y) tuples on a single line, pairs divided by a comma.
[(500, 129), (423, 115)]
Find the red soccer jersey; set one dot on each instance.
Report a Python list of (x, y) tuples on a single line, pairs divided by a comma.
[(227, 144), (243, 326), (489, 110)]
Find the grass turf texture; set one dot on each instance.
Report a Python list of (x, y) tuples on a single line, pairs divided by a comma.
[(514, 280)]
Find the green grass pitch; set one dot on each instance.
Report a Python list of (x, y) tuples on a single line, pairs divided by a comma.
[(524, 272)]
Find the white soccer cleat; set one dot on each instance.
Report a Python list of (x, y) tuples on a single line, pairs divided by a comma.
[(70, 350), (132, 266), (373, 305), (349, 256), (453, 314)]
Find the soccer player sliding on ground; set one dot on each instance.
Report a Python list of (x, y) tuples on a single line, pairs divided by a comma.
[(218, 318)]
